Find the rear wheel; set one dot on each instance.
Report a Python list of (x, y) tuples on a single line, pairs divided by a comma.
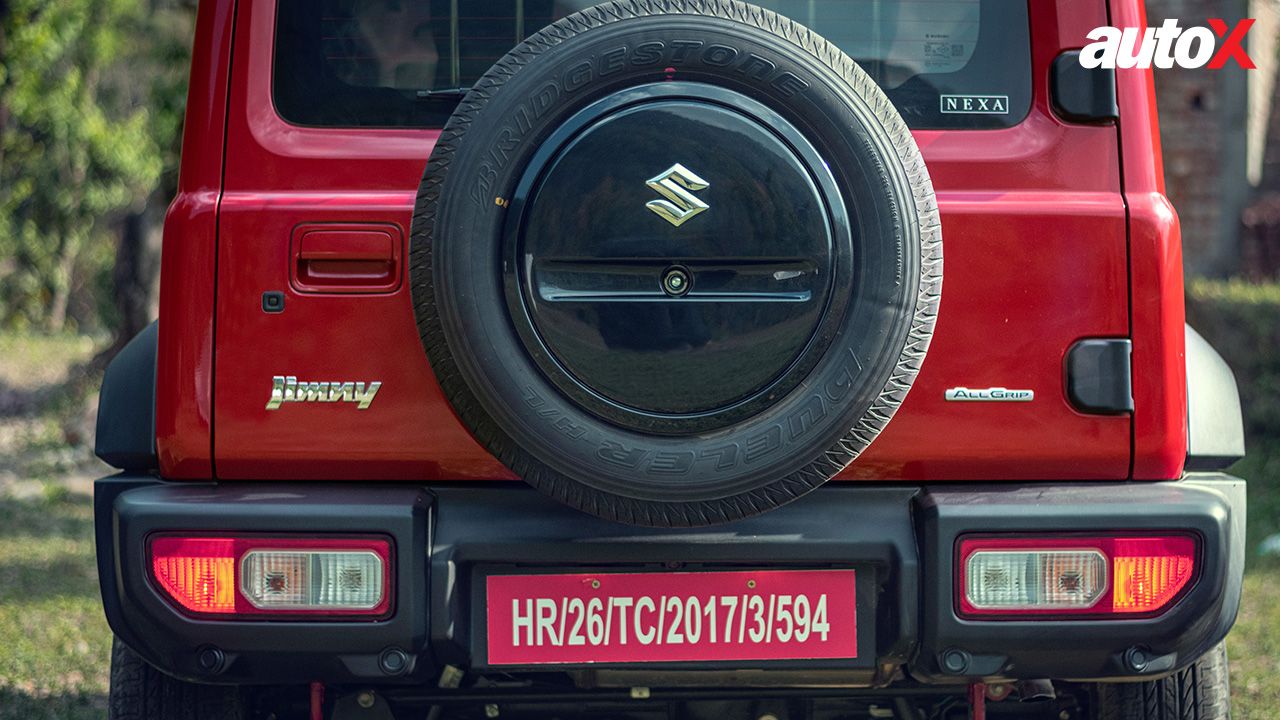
[(141, 692), (1199, 692)]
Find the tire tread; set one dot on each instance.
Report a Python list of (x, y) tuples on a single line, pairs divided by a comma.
[(1200, 691), (704, 512), (141, 692)]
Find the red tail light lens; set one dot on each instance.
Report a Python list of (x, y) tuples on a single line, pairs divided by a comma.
[(334, 577), (197, 573), (1099, 576)]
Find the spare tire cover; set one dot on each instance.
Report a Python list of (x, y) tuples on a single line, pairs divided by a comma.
[(675, 262)]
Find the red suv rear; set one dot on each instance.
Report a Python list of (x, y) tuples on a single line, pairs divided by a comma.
[(678, 265)]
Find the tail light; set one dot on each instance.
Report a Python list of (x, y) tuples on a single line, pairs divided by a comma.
[(198, 573), (1098, 576), (332, 577), (301, 579)]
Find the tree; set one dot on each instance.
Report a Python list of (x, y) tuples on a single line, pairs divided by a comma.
[(82, 144), (160, 68), (4, 114)]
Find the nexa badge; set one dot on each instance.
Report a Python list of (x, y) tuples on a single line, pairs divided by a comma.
[(287, 389), (974, 104), (995, 394)]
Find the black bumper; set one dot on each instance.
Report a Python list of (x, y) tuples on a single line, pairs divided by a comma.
[(901, 538)]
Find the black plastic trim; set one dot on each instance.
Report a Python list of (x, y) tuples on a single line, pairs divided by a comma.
[(1215, 423), (900, 538), (1210, 506), (1100, 377), (866, 528), (1080, 94), (125, 436), (127, 510)]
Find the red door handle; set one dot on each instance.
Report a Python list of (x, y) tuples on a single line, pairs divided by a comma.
[(357, 246), (347, 260)]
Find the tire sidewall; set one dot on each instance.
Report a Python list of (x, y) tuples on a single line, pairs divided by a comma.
[(505, 121)]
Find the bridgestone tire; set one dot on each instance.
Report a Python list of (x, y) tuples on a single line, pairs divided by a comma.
[(1199, 692), (674, 474), (141, 692)]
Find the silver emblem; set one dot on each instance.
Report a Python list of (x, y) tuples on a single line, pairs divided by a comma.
[(995, 394), (974, 104), (675, 185), (287, 389)]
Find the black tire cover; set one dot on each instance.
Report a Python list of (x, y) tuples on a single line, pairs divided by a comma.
[(675, 262)]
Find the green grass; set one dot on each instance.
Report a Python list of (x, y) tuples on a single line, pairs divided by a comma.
[(31, 361), (54, 641), (46, 423), (1235, 291), (1254, 648), (1261, 469), (1254, 644)]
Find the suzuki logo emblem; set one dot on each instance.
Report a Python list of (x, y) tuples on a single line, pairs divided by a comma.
[(675, 185)]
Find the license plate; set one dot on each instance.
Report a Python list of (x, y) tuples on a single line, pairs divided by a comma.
[(671, 617)]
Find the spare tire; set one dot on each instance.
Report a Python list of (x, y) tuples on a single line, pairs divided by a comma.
[(675, 262)]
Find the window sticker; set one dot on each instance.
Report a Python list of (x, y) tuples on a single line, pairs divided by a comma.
[(974, 104)]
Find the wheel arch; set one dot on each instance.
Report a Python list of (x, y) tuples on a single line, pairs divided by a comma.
[(1215, 423), (125, 433)]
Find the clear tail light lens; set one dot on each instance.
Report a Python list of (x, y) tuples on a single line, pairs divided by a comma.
[(1048, 580), (293, 580), (1016, 576), (232, 576)]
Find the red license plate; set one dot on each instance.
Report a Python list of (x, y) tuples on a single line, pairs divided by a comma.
[(671, 617)]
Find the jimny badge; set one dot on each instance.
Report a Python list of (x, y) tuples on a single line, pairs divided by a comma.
[(288, 389)]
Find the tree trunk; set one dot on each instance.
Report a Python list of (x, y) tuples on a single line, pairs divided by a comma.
[(61, 287), (132, 276), (4, 108), (135, 272)]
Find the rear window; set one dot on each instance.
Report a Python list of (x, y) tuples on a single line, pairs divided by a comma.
[(945, 64)]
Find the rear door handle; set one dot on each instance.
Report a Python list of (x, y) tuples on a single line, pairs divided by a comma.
[(347, 259)]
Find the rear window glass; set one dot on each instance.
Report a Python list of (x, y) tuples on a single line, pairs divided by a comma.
[(963, 64)]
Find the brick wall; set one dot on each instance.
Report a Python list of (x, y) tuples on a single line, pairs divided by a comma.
[(1204, 116)]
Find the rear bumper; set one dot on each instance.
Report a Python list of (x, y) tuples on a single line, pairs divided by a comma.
[(901, 538)]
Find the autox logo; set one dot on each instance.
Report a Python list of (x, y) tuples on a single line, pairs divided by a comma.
[(1169, 45)]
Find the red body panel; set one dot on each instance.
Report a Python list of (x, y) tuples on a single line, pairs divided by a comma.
[(1155, 276), (1041, 250), (184, 365)]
